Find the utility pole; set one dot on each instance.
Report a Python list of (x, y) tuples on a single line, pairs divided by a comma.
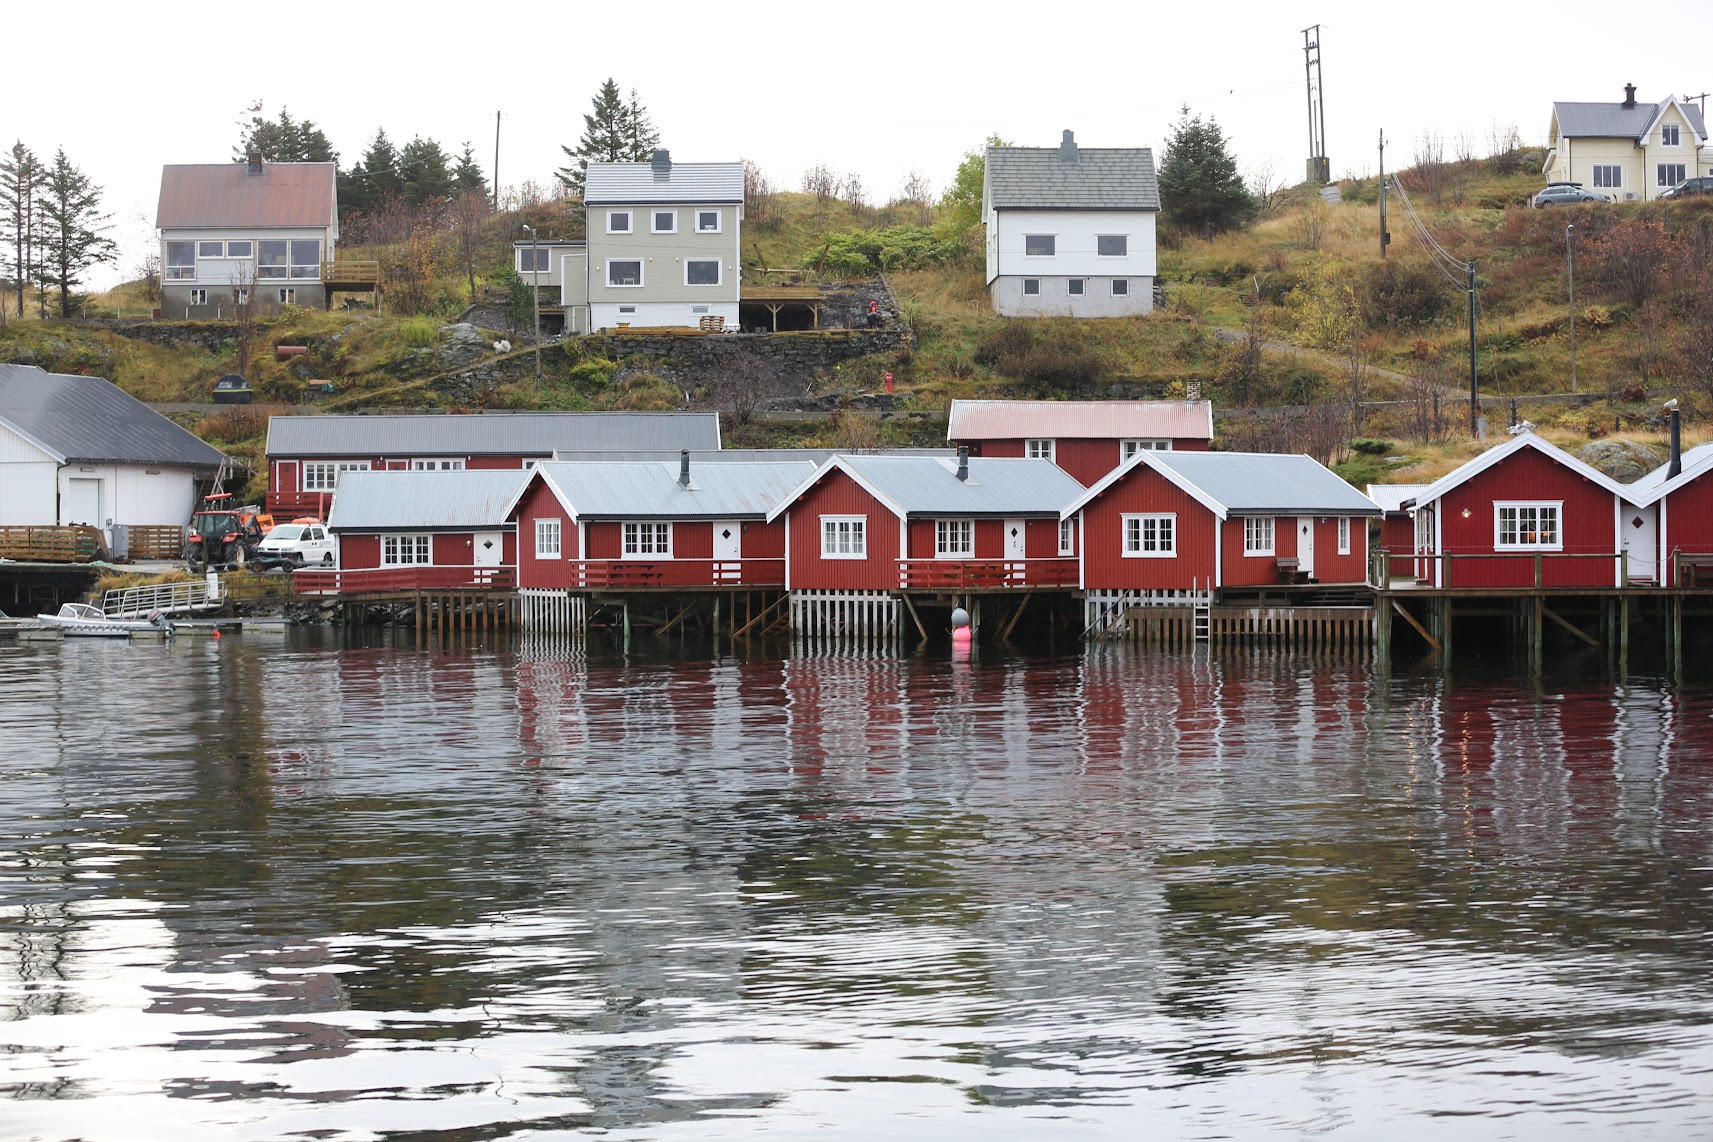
[(496, 161), (1474, 396), (535, 272), (1701, 99), (1570, 264), (1319, 167), (1385, 238)]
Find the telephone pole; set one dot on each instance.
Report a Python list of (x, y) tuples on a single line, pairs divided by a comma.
[(1474, 397), (496, 161), (1570, 266), (1385, 236)]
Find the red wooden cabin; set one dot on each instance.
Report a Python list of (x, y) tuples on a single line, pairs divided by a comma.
[(1682, 502), (889, 523), (1180, 521), (1088, 439), (1397, 526)]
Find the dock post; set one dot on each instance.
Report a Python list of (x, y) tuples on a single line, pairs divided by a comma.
[(1536, 618), (1624, 635), (1382, 634), (1444, 609), (627, 626), (1676, 637)]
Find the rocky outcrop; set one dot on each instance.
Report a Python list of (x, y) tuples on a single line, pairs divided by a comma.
[(1625, 461)]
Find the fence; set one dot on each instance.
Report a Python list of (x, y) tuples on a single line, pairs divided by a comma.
[(852, 616), (551, 612), (621, 574), (395, 580), (156, 541), (78, 543), (1502, 569), (984, 575)]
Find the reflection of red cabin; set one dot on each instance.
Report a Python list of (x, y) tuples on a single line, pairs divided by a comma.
[(887, 523), (1088, 439), (1194, 520), (309, 455), (636, 525), (1526, 514)]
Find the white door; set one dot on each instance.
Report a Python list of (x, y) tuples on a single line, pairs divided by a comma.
[(490, 550), (1640, 540), (728, 550), (1305, 546), (1014, 550), (83, 502)]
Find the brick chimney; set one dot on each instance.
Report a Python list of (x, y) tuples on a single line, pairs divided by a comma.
[(1629, 95)]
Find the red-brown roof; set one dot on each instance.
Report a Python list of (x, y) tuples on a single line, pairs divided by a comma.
[(1091, 419), (227, 194)]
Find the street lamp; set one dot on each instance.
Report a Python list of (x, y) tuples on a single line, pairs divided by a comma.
[(1570, 263), (535, 272)]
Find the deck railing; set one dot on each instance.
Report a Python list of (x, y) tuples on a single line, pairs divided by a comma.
[(351, 271), (168, 598), (625, 574), (389, 580), (1439, 569), (984, 574), (284, 505)]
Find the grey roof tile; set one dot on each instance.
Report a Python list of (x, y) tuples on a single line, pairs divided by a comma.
[(608, 183), (996, 486), (490, 434), (610, 490), (423, 501), (91, 420), (1102, 178), (1615, 121)]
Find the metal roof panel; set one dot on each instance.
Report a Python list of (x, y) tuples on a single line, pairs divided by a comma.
[(1248, 483), (92, 420), (423, 501), (650, 489), (1079, 419), (226, 194), (609, 183), (490, 433), (997, 486)]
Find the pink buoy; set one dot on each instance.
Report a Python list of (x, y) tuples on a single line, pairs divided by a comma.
[(960, 633)]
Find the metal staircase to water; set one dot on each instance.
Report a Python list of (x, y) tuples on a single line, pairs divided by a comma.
[(167, 598)]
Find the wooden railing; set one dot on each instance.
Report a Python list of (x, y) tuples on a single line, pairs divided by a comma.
[(624, 574), (284, 505), (351, 271), (984, 574), (1534, 564), (78, 543), (382, 580)]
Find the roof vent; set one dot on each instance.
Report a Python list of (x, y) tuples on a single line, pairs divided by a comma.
[(662, 161), (964, 462), (1629, 95), (255, 162), (684, 467), (1068, 148)]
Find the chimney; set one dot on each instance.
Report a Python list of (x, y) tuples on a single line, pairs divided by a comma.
[(1629, 95), (1068, 148), (662, 161), (963, 462), (684, 467), (1676, 445), (255, 162)]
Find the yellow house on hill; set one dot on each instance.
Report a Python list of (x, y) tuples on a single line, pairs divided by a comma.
[(1631, 151)]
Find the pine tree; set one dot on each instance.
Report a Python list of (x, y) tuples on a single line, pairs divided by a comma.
[(640, 136), (1200, 189), (425, 172), (72, 223), (605, 138), (283, 140), (468, 173), (21, 180), (381, 171)]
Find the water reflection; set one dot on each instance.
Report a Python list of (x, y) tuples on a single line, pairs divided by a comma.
[(492, 890)]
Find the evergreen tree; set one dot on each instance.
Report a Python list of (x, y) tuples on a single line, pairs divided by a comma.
[(21, 180), (605, 137), (283, 140), (640, 136), (1200, 189), (72, 223), (468, 173), (425, 172), (381, 171), (353, 189)]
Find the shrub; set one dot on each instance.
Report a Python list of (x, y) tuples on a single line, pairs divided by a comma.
[(593, 373), (419, 332), (856, 253), (1403, 295), (1048, 355), (1371, 447)]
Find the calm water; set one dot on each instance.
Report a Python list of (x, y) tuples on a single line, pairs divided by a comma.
[(265, 890)]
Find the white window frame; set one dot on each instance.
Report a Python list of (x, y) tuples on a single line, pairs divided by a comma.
[(719, 225), (1670, 135), (844, 537), (218, 251), (549, 537), (1539, 507), (536, 255), (630, 221), (1067, 537), (1052, 242), (241, 295), (249, 250), (719, 273), (1129, 448), (1344, 535), (954, 539), (1258, 530), (654, 226), (1041, 449), (1124, 238), (627, 310), (183, 270), (1076, 287), (407, 550), (641, 274), (1031, 287), (1662, 170), (288, 295), (1149, 535), (437, 464), (645, 539), (1120, 287), (323, 475), (198, 296), (1607, 176)]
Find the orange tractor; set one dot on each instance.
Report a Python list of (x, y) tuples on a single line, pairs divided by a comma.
[(221, 535)]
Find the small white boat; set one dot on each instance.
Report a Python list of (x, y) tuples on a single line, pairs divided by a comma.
[(85, 621)]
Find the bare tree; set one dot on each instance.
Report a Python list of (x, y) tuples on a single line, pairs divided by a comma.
[(1267, 187), (917, 193), (246, 310), (1358, 377), (1241, 371), (1504, 147), (851, 190), (760, 196), (746, 383), (820, 181), (1428, 175), (469, 213), (1308, 224)]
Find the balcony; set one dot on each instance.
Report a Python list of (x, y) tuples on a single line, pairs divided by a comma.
[(637, 574), (403, 580), (985, 574)]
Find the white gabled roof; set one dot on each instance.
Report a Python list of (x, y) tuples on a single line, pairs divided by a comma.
[(1391, 497), (929, 486), (1467, 471), (1245, 483), (1655, 486)]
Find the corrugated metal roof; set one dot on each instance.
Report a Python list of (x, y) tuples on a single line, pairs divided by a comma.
[(1615, 121), (90, 420), (1391, 497), (226, 194), (1071, 419), (1101, 178), (490, 433), (816, 456), (1252, 482), (996, 486), (423, 501), (650, 490), (1700, 454), (681, 182)]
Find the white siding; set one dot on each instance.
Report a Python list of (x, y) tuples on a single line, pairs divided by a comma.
[(1075, 232), (27, 493), (606, 315), (134, 495)]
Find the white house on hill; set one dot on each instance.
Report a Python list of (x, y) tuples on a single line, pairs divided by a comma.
[(1629, 150)]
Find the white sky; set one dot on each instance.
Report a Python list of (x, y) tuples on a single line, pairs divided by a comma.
[(878, 88)]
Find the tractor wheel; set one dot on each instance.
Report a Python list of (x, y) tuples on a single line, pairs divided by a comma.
[(234, 555)]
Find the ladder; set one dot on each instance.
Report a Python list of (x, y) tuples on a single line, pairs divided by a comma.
[(1203, 613)]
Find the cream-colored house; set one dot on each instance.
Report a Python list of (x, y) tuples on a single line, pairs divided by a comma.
[(1631, 151)]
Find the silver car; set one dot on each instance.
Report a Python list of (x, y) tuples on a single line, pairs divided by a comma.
[(1563, 193)]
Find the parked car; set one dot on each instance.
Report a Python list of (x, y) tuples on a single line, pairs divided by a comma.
[(304, 541), (1562, 193), (232, 389), (1688, 188)]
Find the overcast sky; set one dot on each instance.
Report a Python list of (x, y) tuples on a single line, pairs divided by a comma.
[(876, 88)]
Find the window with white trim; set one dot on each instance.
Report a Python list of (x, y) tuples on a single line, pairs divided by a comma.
[(243, 249), (1670, 174), (440, 465), (1150, 536), (844, 537), (701, 271), (1067, 537), (1258, 535), (211, 249), (533, 259), (624, 309), (1038, 449), (547, 536), (707, 221), (199, 297), (294, 258), (1111, 245), (624, 272), (323, 475), (618, 222), (1040, 245), (1132, 447), (181, 261), (1344, 535), (1074, 286), (1120, 287), (954, 539), (1031, 287), (665, 222), (1670, 136), (1525, 525), (288, 295), (642, 540), (404, 550), (1608, 176), (241, 296)]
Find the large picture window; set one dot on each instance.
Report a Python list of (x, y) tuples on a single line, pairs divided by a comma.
[(547, 535), (297, 258), (404, 550), (1258, 535), (1608, 176), (181, 261), (644, 540), (1132, 447), (954, 539), (1150, 536), (1112, 245), (211, 249), (624, 272), (443, 464), (1527, 527), (844, 537), (1670, 174), (1040, 245), (702, 271), (323, 475), (534, 260)]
